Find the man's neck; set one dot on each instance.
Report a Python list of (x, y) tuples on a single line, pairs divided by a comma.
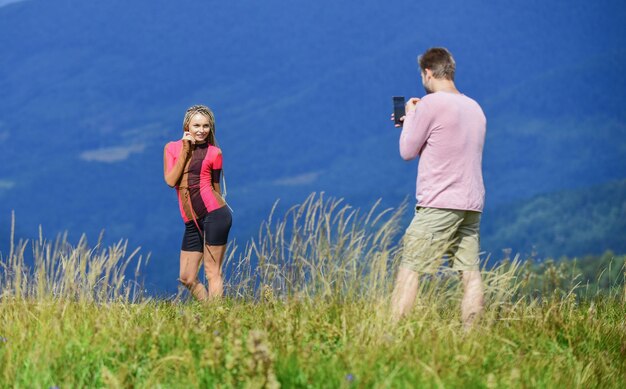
[(444, 86)]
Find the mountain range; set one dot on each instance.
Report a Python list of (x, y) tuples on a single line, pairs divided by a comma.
[(91, 91)]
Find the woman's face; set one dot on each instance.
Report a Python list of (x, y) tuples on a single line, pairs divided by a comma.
[(199, 127)]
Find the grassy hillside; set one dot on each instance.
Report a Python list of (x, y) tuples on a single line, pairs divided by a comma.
[(572, 223), (312, 313), (308, 344)]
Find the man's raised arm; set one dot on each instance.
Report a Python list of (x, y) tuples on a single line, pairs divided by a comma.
[(415, 129)]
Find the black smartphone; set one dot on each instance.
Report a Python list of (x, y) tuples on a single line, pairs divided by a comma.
[(398, 108)]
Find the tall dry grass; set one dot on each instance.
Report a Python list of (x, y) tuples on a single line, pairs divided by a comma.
[(60, 270), (322, 248)]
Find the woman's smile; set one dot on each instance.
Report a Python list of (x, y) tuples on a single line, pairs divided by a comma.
[(199, 127)]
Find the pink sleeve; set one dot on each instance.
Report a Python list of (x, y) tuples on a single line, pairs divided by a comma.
[(415, 131), (217, 160), (169, 158)]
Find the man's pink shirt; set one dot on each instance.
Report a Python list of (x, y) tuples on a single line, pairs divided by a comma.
[(447, 132)]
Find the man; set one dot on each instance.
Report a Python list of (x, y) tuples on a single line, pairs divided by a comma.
[(446, 129)]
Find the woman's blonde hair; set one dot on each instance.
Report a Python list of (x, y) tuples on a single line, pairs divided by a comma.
[(203, 110)]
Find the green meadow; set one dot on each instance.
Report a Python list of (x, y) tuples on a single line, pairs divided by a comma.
[(307, 307)]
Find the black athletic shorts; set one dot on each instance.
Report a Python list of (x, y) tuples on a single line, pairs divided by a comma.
[(215, 225)]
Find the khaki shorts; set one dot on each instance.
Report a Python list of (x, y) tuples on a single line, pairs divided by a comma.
[(435, 232)]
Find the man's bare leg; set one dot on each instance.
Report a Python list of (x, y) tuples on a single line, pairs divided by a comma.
[(404, 293), (473, 303)]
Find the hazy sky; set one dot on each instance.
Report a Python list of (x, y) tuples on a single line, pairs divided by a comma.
[(5, 2)]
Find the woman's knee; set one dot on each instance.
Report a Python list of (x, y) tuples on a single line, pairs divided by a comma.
[(188, 280)]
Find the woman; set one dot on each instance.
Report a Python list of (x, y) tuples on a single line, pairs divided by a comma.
[(193, 166)]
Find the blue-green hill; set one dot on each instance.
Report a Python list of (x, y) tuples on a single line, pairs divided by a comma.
[(572, 223)]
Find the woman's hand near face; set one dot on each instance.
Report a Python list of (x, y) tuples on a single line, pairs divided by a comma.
[(187, 136)]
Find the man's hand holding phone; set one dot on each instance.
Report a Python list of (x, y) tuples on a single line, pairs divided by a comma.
[(400, 109), (411, 104)]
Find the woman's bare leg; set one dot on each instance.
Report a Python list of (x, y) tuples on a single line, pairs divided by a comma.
[(189, 264), (213, 257)]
